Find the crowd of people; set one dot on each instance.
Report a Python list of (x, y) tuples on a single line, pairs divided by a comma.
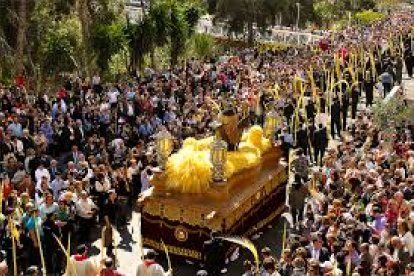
[(78, 159), (351, 200)]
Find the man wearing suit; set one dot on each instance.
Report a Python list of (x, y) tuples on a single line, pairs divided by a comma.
[(79, 133), (316, 251), (354, 102), (336, 118), (320, 143), (27, 140), (345, 108), (67, 137), (288, 111), (91, 148), (369, 88), (74, 155), (53, 169), (310, 110), (302, 139)]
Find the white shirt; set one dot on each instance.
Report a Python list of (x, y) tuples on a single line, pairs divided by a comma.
[(84, 268), (130, 109), (151, 270), (58, 185), (39, 197), (315, 253), (19, 146), (408, 240), (89, 175), (84, 208), (45, 210), (41, 172), (102, 186), (113, 96), (134, 170)]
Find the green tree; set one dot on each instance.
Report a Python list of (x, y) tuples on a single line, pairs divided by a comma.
[(326, 12), (59, 47), (241, 16), (107, 40), (178, 34), (140, 38), (366, 4), (169, 22), (203, 45), (368, 17)]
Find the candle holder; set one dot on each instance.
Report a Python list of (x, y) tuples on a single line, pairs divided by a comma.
[(271, 122), (218, 154), (164, 147)]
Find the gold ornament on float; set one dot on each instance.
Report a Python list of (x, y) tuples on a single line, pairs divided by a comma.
[(164, 146), (181, 234), (271, 124)]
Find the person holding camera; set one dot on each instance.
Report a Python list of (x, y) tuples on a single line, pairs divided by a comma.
[(86, 210)]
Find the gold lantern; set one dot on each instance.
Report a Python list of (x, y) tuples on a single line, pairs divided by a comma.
[(218, 154), (271, 122), (164, 146)]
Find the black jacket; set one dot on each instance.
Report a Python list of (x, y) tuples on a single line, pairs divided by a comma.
[(323, 253), (321, 138), (302, 137), (335, 110)]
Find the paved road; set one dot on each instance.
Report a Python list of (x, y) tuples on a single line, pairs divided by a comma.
[(129, 255)]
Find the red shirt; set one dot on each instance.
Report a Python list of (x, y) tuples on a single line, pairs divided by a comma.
[(20, 81), (324, 45), (62, 93), (110, 272), (391, 216)]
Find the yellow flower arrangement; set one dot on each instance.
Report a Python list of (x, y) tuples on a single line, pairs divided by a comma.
[(190, 170)]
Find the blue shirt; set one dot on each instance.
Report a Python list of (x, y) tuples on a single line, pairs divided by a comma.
[(145, 130), (379, 223), (47, 130), (16, 129), (34, 222)]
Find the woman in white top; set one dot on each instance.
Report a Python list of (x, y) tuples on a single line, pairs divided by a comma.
[(48, 206), (406, 236)]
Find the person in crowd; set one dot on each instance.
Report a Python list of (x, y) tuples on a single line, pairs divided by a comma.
[(52, 254), (214, 254), (300, 166), (86, 210), (321, 143), (248, 268), (336, 118), (297, 198), (109, 269), (387, 81), (81, 264), (150, 266)]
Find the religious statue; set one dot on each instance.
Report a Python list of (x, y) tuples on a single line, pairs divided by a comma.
[(231, 126)]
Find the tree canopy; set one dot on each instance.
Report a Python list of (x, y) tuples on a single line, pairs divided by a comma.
[(43, 38)]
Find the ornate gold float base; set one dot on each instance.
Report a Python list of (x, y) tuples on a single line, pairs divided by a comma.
[(246, 203)]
